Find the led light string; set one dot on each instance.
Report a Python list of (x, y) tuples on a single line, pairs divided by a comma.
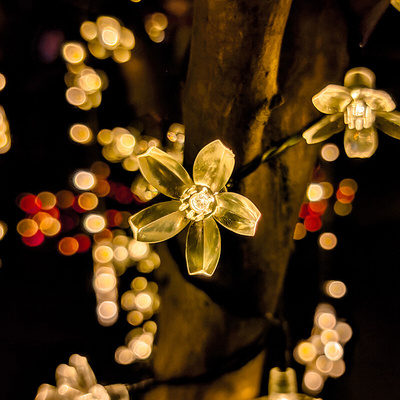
[(357, 108)]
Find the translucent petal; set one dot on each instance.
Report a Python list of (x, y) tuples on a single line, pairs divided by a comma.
[(237, 213), (324, 128), (203, 247), (395, 3), (332, 99), (388, 123), (164, 172), (378, 100), (360, 144), (213, 166), (158, 222)]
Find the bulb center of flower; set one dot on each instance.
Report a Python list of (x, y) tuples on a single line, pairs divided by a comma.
[(198, 202), (359, 115)]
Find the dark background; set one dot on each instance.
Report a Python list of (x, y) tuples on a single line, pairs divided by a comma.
[(47, 306)]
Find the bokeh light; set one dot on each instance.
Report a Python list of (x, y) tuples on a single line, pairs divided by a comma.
[(306, 352), (68, 246), (107, 37), (27, 227), (2, 82), (80, 133), (107, 313), (327, 241), (94, 223), (342, 209), (329, 335), (312, 223), (3, 229), (88, 201), (124, 355), (335, 289), (325, 320), (84, 180), (330, 152), (314, 192), (29, 203), (155, 26), (299, 231), (103, 254), (344, 331), (73, 52), (333, 351), (313, 381), (324, 364)]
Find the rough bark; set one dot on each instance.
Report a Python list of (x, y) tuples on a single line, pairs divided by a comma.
[(231, 89)]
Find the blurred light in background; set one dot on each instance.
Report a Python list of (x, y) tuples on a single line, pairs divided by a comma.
[(330, 152), (155, 25), (80, 133), (5, 138), (327, 241), (108, 38), (322, 353)]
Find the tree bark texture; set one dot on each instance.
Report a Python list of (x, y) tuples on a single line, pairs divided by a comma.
[(232, 94)]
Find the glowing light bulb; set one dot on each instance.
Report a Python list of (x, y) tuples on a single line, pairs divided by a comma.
[(333, 351)]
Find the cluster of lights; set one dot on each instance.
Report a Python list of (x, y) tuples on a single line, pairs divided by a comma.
[(85, 85), (125, 145), (312, 210), (5, 138), (48, 214), (318, 196), (155, 25), (322, 353), (111, 257), (77, 381), (139, 344), (108, 38)]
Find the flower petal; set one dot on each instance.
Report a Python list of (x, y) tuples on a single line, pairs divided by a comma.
[(324, 128), (237, 213), (203, 247), (332, 99), (360, 144), (213, 166), (158, 222), (378, 100), (164, 172), (388, 123)]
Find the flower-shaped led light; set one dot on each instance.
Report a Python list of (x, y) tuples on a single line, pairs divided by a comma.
[(195, 202), (282, 385), (77, 381), (357, 108)]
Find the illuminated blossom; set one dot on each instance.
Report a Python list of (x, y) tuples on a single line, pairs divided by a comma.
[(358, 109), (194, 203), (77, 381)]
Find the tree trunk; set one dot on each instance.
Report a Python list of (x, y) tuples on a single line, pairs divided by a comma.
[(212, 328)]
